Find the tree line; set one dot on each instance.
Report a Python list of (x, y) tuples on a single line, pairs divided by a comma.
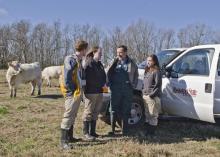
[(49, 44)]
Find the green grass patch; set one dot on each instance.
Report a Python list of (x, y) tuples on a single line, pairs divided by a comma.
[(21, 107), (3, 110)]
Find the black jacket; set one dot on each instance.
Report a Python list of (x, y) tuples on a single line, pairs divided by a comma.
[(95, 78)]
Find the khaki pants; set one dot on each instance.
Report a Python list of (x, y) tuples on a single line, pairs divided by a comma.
[(93, 104), (71, 109), (152, 109)]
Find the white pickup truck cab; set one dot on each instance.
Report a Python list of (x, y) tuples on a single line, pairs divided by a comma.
[(190, 86)]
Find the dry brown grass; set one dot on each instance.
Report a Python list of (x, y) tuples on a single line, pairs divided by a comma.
[(30, 126)]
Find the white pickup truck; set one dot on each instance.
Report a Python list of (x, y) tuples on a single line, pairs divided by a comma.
[(190, 86)]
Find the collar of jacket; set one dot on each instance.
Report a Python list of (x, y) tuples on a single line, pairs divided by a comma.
[(76, 57), (127, 60)]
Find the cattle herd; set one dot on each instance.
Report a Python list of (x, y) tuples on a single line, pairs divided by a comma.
[(18, 73)]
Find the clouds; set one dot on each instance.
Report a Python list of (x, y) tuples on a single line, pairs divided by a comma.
[(3, 12)]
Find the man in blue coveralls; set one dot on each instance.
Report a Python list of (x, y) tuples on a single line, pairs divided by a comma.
[(123, 78)]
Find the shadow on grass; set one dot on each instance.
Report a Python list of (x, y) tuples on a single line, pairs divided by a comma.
[(178, 131), (3, 82), (100, 141), (173, 131), (168, 132), (50, 96), (88, 143)]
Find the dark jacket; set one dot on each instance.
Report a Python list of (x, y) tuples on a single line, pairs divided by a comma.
[(132, 72), (95, 77), (152, 83)]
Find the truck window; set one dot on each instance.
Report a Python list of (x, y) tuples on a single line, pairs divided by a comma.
[(195, 62)]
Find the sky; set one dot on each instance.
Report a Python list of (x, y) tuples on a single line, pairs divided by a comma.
[(107, 14)]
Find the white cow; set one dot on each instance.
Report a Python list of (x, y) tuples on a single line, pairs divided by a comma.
[(51, 72), (23, 73)]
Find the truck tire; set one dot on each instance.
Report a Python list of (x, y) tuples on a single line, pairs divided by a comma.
[(137, 113), (137, 117)]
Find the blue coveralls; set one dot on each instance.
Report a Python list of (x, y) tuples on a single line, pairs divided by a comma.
[(121, 94)]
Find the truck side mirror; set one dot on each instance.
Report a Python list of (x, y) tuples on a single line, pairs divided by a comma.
[(167, 71), (163, 67), (163, 70), (167, 74), (174, 74), (170, 73)]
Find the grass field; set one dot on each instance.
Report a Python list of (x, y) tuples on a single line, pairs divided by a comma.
[(30, 126)]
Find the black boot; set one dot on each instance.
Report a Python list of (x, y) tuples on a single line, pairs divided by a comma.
[(71, 138), (152, 129), (113, 124), (125, 131), (86, 125), (149, 129), (93, 129), (64, 141)]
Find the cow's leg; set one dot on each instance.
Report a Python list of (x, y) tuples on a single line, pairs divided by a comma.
[(15, 91), (48, 82), (33, 85), (11, 90), (39, 83)]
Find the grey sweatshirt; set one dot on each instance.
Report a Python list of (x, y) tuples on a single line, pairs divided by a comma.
[(152, 83)]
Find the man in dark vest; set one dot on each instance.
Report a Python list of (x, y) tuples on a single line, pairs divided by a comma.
[(122, 79)]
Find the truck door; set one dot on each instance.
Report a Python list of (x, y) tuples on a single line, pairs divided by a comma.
[(217, 90), (189, 92)]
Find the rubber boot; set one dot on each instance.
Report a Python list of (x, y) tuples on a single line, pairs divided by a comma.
[(64, 141), (125, 131), (149, 129), (71, 138), (86, 126), (152, 129), (93, 129), (113, 123)]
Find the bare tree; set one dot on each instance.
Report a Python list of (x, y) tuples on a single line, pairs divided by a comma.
[(116, 38), (107, 55), (91, 34), (49, 44), (56, 44), (67, 41), (216, 37), (139, 37), (194, 34), (21, 36), (165, 39), (42, 44), (5, 45)]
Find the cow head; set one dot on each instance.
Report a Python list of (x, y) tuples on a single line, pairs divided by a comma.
[(15, 66)]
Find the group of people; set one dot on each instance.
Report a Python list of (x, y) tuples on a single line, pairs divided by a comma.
[(84, 74)]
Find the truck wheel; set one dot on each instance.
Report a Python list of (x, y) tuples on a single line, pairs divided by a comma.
[(137, 112), (105, 116)]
